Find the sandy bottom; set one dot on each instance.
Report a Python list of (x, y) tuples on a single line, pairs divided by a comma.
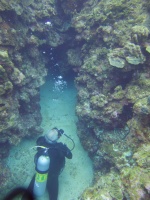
[(58, 99)]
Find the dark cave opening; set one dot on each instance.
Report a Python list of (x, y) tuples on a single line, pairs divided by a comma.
[(57, 60), (9, 16), (52, 53), (123, 78), (24, 108), (127, 112)]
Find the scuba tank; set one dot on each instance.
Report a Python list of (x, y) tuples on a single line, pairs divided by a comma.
[(42, 167)]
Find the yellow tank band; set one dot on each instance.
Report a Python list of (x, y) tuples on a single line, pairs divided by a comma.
[(41, 177)]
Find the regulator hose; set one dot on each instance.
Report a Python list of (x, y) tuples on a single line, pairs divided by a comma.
[(71, 140)]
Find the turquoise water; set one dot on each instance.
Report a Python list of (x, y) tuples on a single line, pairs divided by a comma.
[(58, 100)]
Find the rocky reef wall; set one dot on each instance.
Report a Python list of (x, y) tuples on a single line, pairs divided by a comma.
[(113, 96), (22, 71), (30, 30)]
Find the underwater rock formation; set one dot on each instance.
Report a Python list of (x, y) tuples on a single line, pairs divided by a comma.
[(113, 95), (107, 44), (20, 79), (26, 26), (30, 32)]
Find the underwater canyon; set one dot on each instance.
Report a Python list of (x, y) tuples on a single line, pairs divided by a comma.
[(104, 48)]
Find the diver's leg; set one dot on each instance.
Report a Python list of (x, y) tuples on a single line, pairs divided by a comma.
[(52, 187), (30, 189)]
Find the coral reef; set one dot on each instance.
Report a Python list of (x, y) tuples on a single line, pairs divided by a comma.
[(113, 95), (107, 45), (22, 68), (31, 31), (25, 27)]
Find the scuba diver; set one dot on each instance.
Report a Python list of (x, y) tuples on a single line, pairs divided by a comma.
[(49, 161)]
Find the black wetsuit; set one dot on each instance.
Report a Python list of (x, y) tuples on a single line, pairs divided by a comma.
[(57, 153)]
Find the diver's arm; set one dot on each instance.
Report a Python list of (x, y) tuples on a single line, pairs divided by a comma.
[(68, 153), (65, 150)]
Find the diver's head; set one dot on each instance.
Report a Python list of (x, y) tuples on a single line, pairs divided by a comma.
[(53, 135)]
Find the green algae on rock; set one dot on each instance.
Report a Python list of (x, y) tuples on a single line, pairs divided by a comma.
[(134, 60), (107, 187), (148, 49), (116, 61)]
